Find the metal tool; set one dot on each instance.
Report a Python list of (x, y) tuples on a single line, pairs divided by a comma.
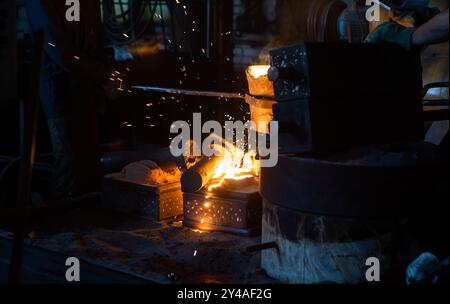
[(189, 92)]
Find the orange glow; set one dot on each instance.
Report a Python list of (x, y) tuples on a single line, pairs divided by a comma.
[(146, 48), (257, 71), (236, 165)]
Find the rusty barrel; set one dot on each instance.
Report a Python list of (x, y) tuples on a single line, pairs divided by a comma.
[(327, 216)]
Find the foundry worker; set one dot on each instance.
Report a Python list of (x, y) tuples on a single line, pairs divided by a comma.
[(432, 28), (72, 77)]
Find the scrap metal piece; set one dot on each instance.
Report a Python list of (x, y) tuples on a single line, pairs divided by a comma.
[(200, 174)]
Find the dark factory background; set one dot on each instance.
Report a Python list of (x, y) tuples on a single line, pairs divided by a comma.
[(208, 46), (164, 39)]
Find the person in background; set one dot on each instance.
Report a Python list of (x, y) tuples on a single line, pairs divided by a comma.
[(431, 30), (74, 72), (431, 27)]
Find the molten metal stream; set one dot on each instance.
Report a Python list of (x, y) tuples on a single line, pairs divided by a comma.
[(236, 165)]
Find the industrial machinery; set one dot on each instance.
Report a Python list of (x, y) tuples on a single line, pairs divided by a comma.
[(337, 20), (338, 96)]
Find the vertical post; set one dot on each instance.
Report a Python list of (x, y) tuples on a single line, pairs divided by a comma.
[(208, 29), (173, 25), (29, 122)]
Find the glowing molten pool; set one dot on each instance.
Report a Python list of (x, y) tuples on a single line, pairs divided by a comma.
[(258, 71), (236, 165)]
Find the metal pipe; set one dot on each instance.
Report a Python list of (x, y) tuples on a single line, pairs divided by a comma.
[(189, 92), (208, 29), (263, 246)]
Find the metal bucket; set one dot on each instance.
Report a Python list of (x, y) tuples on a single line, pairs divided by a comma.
[(261, 112), (259, 85)]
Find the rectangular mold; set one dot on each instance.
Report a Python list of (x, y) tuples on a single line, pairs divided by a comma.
[(235, 208), (158, 202)]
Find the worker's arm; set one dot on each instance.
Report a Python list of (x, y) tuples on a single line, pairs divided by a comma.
[(42, 15), (434, 31)]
